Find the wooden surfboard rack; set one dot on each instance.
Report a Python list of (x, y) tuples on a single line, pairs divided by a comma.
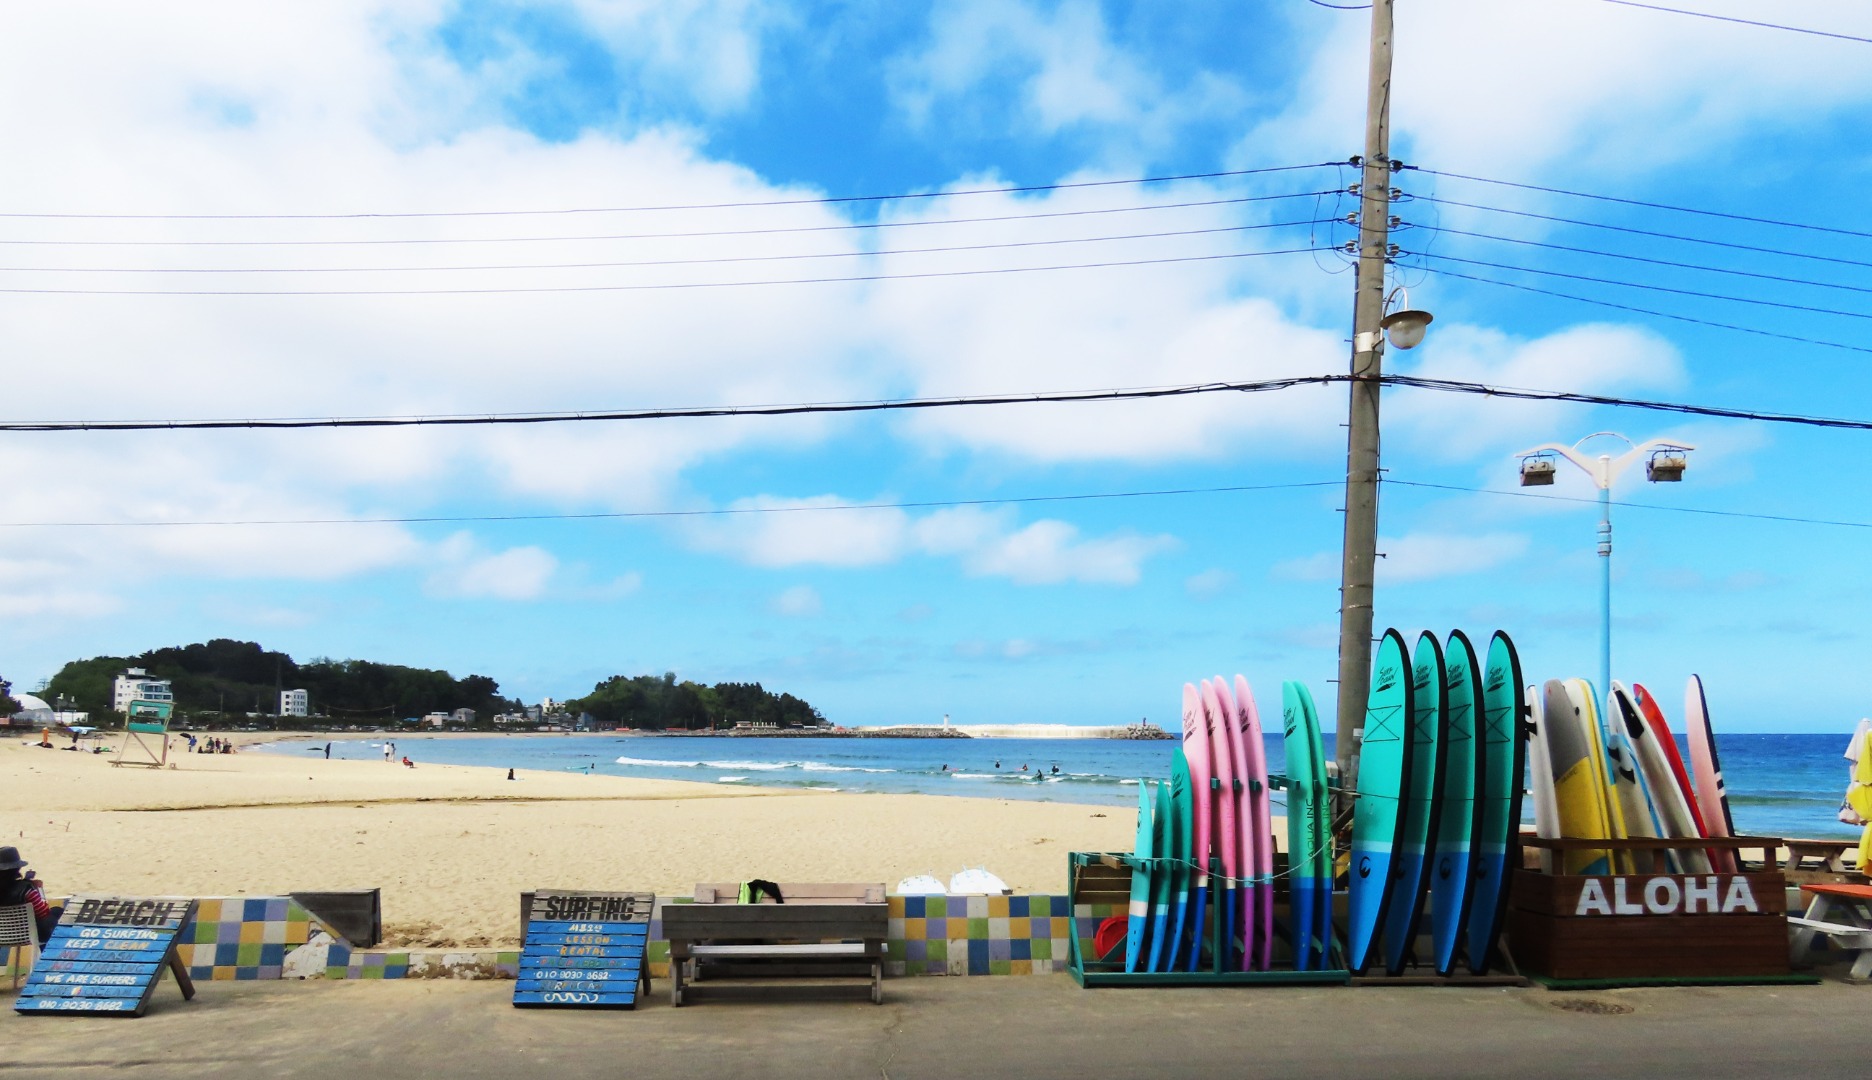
[(1105, 878), (1652, 927)]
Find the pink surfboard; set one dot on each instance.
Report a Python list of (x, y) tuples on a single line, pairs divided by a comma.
[(1248, 918), (1261, 814), (1706, 769), (1226, 836), (1202, 768)]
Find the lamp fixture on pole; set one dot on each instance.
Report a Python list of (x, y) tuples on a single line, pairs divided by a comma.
[(1665, 463)]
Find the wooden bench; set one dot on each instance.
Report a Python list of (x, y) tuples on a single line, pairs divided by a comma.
[(1844, 914), (820, 931)]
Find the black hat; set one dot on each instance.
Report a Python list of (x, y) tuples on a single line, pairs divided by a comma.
[(9, 858)]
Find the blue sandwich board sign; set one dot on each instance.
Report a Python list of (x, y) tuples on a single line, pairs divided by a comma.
[(106, 955), (585, 950)]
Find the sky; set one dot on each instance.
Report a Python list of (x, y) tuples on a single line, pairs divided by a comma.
[(464, 208)]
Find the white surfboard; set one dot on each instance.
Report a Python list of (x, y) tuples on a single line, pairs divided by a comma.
[(1667, 798), (1540, 772)]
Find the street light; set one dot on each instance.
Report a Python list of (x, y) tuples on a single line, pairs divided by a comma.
[(1665, 463)]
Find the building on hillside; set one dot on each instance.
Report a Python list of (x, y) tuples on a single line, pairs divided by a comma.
[(435, 719), (135, 684), (292, 703), (505, 719), (462, 716)]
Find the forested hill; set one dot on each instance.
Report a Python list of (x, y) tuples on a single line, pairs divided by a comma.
[(238, 677), (656, 703), (233, 678)]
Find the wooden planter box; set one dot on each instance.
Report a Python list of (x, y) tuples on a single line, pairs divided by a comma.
[(1650, 926)]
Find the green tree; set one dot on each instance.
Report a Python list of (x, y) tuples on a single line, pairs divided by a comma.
[(8, 705)]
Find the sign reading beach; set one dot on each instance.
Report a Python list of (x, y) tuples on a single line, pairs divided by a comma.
[(106, 955), (585, 950)]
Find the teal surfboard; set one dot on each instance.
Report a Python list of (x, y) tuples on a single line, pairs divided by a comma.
[(1163, 879), (1499, 785), (1309, 854), (1428, 721), (1450, 879), (1137, 926), (1183, 813), (1383, 778)]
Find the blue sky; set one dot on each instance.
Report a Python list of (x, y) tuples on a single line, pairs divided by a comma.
[(1083, 611)]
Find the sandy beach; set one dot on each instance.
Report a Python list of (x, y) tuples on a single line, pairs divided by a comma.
[(453, 846)]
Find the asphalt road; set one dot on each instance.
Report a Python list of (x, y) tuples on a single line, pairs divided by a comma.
[(1033, 1028)]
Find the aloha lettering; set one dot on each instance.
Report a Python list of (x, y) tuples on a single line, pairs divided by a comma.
[(1666, 896)]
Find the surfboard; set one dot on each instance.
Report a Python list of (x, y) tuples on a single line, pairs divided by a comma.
[(1450, 879), (1182, 810), (1309, 862), (1706, 769), (1429, 724), (1667, 742), (1667, 799), (1630, 786), (1586, 699), (1137, 926), (1383, 778), (1577, 768), (1247, 899), (1163, 879), (1501, 765), (1260, 799), (1196, 751), (1226, 836), (1541, 774)]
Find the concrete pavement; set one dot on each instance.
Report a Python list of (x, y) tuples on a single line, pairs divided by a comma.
[(1033, 1028)]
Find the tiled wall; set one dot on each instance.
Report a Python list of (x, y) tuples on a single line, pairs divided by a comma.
[(255, 937)]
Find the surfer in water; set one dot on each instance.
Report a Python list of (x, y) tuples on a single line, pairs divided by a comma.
[(1056, 770), (997, 764)]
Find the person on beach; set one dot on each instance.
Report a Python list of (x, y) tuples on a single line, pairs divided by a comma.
[(17, 888), (407, 763), (510, 774), (328, 751), (388, 750)]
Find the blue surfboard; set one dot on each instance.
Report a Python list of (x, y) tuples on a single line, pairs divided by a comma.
[(1383, 778), (1450, 879), (1500, 782), (1429, 720)]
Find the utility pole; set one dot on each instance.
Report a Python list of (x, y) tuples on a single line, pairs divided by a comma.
[(1361, 497)]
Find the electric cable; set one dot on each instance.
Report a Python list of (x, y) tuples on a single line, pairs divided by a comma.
[(1654, 288), (685, 235), (710, 261), (923, 504), (1631, 505), (827, 200), (658, 286), (1742, 22), (1645, 232), (1674, 316)]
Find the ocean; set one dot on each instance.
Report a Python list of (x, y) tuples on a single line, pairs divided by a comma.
[(1779, 785)]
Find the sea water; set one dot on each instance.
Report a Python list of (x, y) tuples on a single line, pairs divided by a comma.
[(1779, 785)]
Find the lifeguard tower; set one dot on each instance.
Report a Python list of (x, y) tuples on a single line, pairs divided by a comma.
[(147, 720)]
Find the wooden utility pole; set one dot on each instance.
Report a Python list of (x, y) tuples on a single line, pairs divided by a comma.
[(1361, 497)]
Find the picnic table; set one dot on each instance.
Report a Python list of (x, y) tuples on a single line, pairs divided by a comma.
[(1844, 914)]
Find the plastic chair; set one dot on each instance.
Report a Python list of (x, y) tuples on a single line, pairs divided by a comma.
[(18, 932)]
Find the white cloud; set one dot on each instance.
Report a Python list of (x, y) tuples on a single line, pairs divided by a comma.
[(1417, 557), (988, 543), (1066, 70), (462, 569), (1526, 90), (800, 601), (1209, 584)]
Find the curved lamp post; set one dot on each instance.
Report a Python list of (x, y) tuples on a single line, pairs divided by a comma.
[(1665, 463)]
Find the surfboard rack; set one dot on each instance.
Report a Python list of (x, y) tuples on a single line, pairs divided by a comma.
[(1101, 881)]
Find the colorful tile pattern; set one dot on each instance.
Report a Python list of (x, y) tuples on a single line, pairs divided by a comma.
[(249, 938)]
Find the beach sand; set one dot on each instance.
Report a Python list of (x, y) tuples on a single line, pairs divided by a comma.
[(452, 847)]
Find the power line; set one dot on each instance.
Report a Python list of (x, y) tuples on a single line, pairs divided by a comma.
[(1632, 505), (658, 286), (1655, 262), (815, 201), (1455, 386), (1645, 232), (1649, 205), (715, 260), (721, 512), (684, 235), (1647, 311), (1742, 22), (1137, 393), (1654, 288), (684, 413)]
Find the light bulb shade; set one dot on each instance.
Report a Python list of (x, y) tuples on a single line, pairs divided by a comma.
[(1406, 328), (1666, 468), (1537, 472)]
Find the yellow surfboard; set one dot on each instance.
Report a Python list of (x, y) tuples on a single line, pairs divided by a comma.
[(1578, 778)]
